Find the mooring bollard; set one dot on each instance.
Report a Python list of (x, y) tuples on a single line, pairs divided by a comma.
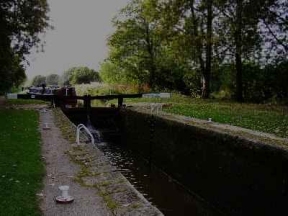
[(46, 126), (64, 198)]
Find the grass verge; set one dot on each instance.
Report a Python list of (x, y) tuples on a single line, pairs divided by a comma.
[(265, 118), (24, 101), (21, 169)]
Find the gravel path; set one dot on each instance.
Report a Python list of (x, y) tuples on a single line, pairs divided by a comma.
[(60, 171)]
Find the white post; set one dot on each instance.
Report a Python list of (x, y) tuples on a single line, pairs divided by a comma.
[(64, 189)]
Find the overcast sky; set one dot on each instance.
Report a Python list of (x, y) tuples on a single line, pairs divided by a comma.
[(79, 37)]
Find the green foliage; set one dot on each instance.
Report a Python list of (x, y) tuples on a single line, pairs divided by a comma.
[(254, 81), (12, 73), (24, 101), (79, 75), (92, 89), (224, 80), (38, 80), (52, 79), (275, 79), (20, 162), (111, 73), (183, 45), (135, 45), (267, 84), (20, 24), (246, 116), (266, 118), (104, 89), (66, 77)]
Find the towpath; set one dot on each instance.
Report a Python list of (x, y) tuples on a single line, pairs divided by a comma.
[(97, 186), (61, 171)]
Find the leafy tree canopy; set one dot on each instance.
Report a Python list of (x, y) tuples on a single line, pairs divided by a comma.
[(66, 77), (79, 75), (52, 79), (112, 73), (38, 80), (200, 46), (21, 23)]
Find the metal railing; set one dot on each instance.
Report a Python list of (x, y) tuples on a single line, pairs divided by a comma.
[(79, 127)]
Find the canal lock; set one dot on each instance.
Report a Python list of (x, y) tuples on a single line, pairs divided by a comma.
[(164, 192)]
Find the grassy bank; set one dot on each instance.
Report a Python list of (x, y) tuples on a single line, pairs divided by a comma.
[(265, 118), (271, 119), (24, 102), (21, 169)]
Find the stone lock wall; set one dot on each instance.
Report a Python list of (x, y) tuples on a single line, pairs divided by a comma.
[(237, 176)]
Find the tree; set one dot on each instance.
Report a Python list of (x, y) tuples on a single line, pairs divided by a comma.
[(12, 73), (161, 42), (81, 75), (52, 79), (238, 49), (112, 74), (209, 35), (38, 80), (274, 31), (21, 22), (192, 22), (240, 22), (135, 45), (66, 77), (158, 42)]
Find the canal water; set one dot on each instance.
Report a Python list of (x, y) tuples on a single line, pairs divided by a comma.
[(158, 188), (169, 196)]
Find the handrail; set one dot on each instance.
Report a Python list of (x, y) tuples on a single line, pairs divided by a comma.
[(82, 126)]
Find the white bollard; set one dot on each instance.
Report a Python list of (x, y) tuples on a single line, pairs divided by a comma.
[(46, 126), (65, 198), (64, 190)]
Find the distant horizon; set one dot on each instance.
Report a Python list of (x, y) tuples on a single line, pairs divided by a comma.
[(79, 37)]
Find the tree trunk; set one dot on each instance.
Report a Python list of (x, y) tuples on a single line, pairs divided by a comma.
[(238, 55), (207, 72), (239, 82), (199, 45), (150, 50)]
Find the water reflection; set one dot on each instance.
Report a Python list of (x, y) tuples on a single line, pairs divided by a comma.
[(157, 187)]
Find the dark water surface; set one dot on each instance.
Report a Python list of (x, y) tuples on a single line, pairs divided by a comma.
[(162, 191), (157, 187)]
